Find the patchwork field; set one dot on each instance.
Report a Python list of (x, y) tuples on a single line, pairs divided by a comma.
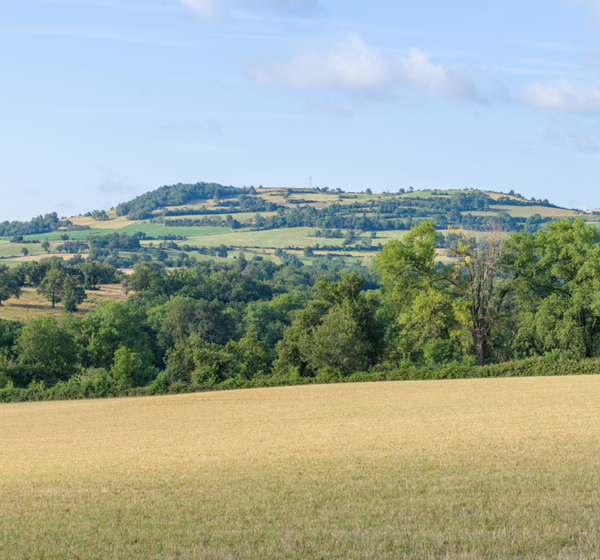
[(470, 469), (268, 240)]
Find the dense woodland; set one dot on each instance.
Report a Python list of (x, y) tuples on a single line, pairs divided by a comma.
[(507, 300)]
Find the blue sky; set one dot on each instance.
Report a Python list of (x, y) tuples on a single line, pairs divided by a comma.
[(102, 100)]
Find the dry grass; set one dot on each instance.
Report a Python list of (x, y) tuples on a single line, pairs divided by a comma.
[(530, 210), (40, 256), (115, 222), (503, 468), (31, 305)]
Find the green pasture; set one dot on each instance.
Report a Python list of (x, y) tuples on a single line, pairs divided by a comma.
[(154, 230), (240, 216), (8, 249), (55, 235), (277, 238)]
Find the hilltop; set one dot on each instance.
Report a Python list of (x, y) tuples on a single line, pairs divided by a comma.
[(212, 221)]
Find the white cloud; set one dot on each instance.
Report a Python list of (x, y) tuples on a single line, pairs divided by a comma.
[(282, 5), (208, 9), (416, 71), (217, 9), (562, 96), (352, 66)]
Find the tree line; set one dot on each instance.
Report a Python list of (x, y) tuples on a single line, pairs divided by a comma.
[(500, 303)]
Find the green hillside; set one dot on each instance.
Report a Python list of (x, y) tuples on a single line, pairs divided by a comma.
[(175, 223)]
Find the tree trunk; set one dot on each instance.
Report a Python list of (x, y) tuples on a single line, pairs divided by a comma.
[(480, 349)]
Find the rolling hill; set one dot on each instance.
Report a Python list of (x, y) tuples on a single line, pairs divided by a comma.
[(210, 221)]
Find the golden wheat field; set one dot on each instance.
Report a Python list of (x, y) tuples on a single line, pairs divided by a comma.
[(498, 468)]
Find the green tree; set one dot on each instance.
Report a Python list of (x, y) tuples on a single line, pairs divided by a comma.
[(25, 251), (92, 274), (407, 266), (250, 357), (112, 326), (46, 246), (73, 294), (337, 345), (52, 286), (342, 316), (431, 300), (127, 368), (43, 343), (10, 285), (9, 333), (182, 316), (147, 277), (267, 320), (557, 277)]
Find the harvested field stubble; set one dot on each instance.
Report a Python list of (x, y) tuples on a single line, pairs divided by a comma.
[(487, 468)]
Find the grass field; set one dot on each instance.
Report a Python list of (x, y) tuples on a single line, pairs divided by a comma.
[(8, 249), (469, 469), (287, 237), (526, 211), (155, 230), (55, 235), (239, 216), (31, 305)]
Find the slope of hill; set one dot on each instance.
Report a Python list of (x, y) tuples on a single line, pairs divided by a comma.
[(174, 223)]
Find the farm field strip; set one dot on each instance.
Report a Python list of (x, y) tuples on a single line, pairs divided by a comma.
[(493, 468), (526, 211), (55, 236)]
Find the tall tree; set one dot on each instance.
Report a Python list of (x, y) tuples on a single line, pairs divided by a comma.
[(431, 301), (73, 294), (10, 285), (408, 266), (557, 275), (45, 344), (474, 282), (416, 294), (52, 286)]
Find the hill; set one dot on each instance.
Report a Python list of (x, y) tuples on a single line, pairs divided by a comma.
[(501, 468), (301, 226)]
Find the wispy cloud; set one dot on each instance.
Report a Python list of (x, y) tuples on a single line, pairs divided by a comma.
[(117, 187), (351, 66), (575, 134), (562, 96), (209, 125), (207, 9), (546, 46), (71, 33), (115, 5), (221, 9)]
